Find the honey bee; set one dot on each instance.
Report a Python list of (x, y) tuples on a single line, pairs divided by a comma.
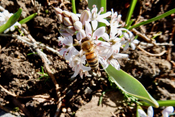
[(88, 47)]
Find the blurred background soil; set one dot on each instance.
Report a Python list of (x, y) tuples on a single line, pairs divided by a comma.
[(19, 69)]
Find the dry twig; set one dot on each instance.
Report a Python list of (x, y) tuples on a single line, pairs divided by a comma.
[(141, 35), (160, 54)]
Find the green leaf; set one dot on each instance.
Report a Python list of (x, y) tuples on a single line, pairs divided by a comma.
[(130, 85), (25, 20), (11, 20), (153, 19), (130, 12)]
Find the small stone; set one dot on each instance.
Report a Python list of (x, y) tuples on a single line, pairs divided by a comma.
[(64, 110), (88, 90)]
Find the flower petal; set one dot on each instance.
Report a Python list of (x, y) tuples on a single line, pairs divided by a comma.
[(103, 62), (102, 16), (126, 46), (80, 35), (77, 69), (133, 46), (103, 21), (115, 64), (98, 33), (88, 29), (150, 111), (105, 36), (168, 110), (94, 24), (142, 113)]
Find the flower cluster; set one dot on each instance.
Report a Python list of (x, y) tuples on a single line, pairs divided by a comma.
[(4, 17), (107, 43), (150, 112)]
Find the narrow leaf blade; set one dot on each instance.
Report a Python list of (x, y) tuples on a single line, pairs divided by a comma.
[(11, 20), (25, 20), (130, 12), (153, 19), (130, 85)]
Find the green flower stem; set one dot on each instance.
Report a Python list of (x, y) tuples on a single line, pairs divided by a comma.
[(73, 6), (162, 103)]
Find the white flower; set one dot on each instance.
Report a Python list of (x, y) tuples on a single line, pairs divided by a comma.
[(114, 24), (96, 17), (150, 112), (130, 41), (77, 62), (168, 110), (108, 54), (88, 32), (68, 50)]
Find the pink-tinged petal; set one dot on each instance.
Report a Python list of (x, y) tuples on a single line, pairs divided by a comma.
[(63, 51), (150, 111), (103, 21), (72, 51), (98, 33), (85, 16), (105, 36), (95, 9), (115, 64), (94, 24), (105, 15), (68, 41), (88, 29), (142, 113), (101, 43), (103, 62), (80, 35)]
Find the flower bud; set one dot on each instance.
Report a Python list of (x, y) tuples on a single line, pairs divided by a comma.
[(60, 18), (80, 35), (58, 10), (70, 29), (62, 26), (66, 13), (85, 16), (74, 18), (64, 33), (78, 25), (67, 21)]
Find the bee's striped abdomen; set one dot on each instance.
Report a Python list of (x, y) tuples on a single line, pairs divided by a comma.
[(92, 59)]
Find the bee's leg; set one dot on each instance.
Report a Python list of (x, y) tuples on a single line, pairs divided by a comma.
[(96, 73)]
